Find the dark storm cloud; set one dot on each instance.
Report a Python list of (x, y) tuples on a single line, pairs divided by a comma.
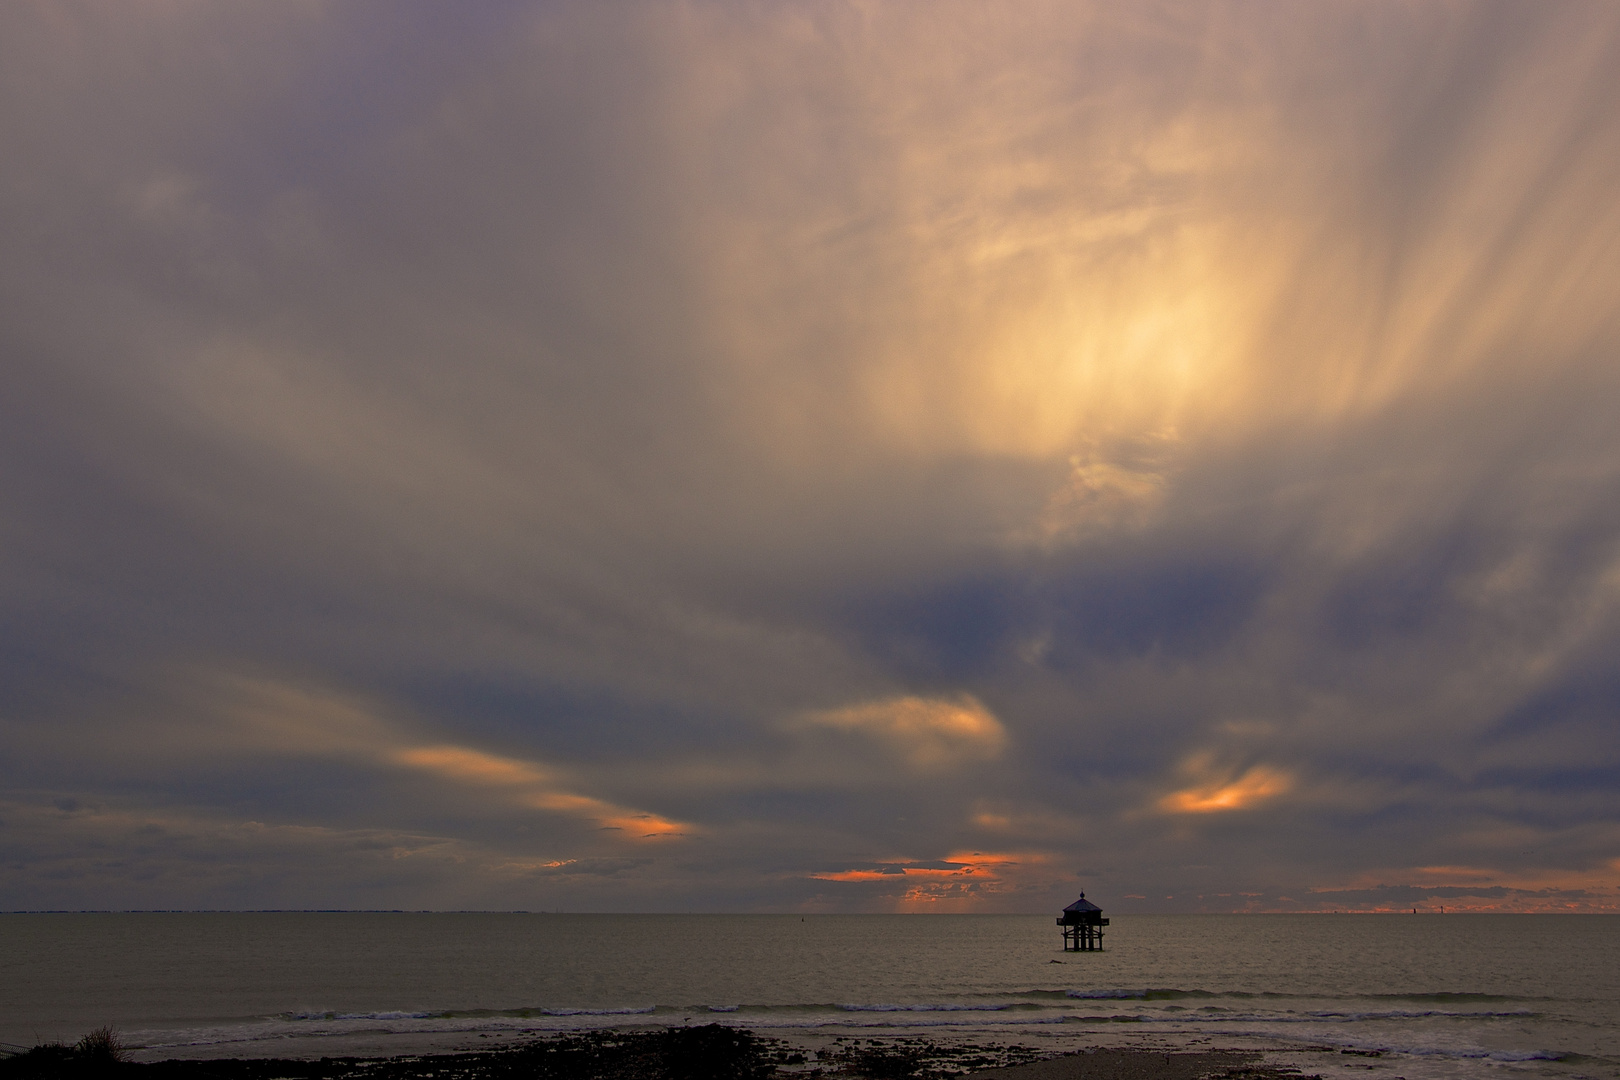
[(836, 456)]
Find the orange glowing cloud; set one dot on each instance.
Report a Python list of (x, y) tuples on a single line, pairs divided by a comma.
[(283, 716), (475, 767), (1255, 785), (470, 766), (608, 816)]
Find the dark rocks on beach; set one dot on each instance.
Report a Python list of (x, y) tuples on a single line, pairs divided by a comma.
[(704, 1053), (712, 1052), (701, 1053)]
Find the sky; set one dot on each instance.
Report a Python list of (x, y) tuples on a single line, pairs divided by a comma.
[(810, 456)]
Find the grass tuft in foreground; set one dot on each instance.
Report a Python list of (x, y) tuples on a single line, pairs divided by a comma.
[(99, 1053)]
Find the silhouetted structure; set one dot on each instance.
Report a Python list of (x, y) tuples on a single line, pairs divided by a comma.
[(1082, 924)]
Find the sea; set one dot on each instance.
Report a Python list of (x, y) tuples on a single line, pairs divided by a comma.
[(1389, 995)]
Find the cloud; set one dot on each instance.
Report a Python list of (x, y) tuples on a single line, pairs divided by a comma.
[(1254, 786), (928, 733), (261, 715), (470, 766), (842, 436), (537, 787), (1099, 496), (1215, 790)]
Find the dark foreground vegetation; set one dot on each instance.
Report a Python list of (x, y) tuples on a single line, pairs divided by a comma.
[(698, 1053)]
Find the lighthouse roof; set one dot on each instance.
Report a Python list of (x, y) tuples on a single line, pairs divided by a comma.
[(1082, 904)]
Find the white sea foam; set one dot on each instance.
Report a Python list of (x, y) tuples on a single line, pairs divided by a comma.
[(634, 1011), (923, 1008)]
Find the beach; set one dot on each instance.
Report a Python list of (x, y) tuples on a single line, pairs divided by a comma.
[(710, 1052)]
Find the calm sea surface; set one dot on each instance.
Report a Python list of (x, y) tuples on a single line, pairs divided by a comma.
[(1439, 995)]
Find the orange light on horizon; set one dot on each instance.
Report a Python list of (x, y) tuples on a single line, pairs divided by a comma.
[(902, 872), (959, 865)]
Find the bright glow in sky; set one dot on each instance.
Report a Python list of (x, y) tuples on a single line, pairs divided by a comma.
[(810, 456)]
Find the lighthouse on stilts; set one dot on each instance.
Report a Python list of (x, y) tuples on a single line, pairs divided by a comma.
[(1082, 924)]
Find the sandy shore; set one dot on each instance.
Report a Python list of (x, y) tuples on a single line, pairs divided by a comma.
[(700, 1053)]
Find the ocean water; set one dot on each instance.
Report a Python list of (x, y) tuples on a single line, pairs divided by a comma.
[(1424, 996)]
